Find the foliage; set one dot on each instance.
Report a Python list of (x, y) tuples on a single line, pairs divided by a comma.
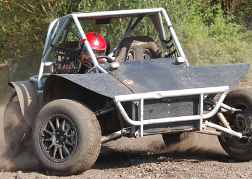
[(210, 31), (25, 22), (17, 69), (213, 38)]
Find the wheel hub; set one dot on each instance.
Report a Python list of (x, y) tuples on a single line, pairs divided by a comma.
[(58, 138), (243, 123)]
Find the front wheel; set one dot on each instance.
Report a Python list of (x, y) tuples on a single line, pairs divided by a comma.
[(240, 149), (66, 137)]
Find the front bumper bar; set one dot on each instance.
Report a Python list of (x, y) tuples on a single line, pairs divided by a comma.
[(139, 100)]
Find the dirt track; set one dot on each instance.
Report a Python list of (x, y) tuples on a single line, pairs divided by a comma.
[(199, 156)]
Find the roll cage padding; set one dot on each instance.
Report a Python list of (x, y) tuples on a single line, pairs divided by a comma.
[(138, 44)]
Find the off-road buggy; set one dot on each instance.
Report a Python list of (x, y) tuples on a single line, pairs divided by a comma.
[(146, 87)]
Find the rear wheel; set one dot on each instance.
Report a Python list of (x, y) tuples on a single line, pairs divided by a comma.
[(240, 149), (17, 133), (66, 137)]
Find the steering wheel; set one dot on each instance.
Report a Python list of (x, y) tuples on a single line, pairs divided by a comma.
[(110, 60)]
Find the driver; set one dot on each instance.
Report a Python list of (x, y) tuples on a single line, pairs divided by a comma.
[(98, 45)]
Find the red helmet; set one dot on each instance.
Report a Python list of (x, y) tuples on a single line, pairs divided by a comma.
[(97, 43)]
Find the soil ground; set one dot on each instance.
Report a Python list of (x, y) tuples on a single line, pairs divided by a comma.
[(198, 156)]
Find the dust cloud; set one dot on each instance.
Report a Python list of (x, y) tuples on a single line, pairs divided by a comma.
[(193, 145), (24, 160), (197, 145)]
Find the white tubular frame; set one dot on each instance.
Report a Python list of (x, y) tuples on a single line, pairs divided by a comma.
[(60, 27), (174, 93), (57, 28)]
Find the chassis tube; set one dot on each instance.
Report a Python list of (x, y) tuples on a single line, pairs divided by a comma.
[(229, 131), (174, 36), (176, 93), (111, 137), (172, 93)]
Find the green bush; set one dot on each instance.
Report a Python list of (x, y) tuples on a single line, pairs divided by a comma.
[(213, 39), (207, 31)]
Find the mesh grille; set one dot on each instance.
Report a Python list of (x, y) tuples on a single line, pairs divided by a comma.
[(66, 60)]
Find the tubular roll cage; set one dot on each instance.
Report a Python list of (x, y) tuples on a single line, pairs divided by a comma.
[(62, 26), (139, 99)]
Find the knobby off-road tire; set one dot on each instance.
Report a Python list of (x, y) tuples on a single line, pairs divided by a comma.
[(17, 133), (240, 149), (66, 137)]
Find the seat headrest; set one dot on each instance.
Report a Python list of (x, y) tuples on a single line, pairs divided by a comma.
[(138, 43)]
